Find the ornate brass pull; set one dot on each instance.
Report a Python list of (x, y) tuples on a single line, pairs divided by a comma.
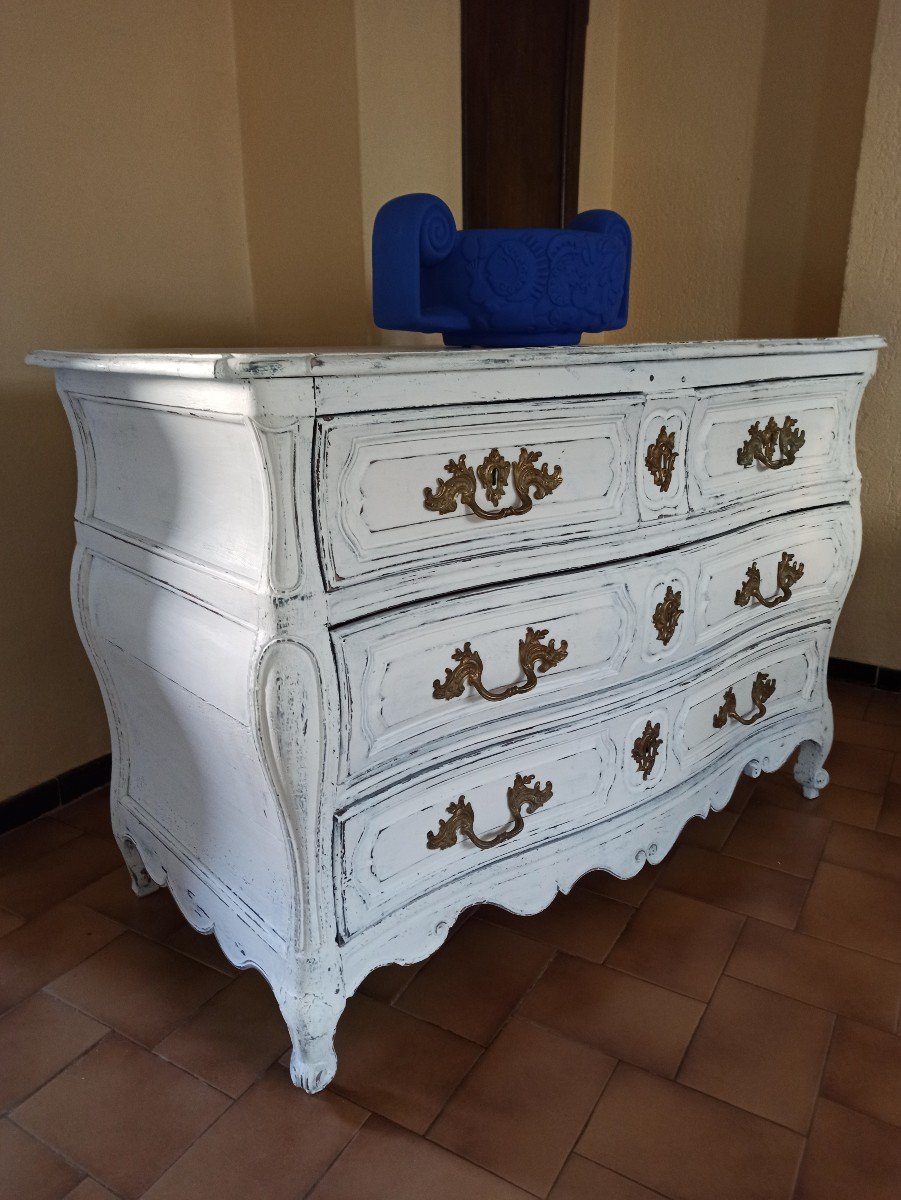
[(493, 473), (469, 668), (788, 572), (761, 690), (661, 458), (763, 443), (666, 615), (462, 819), (646, 748)]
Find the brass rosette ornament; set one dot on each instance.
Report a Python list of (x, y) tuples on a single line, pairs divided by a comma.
[(529, 482)]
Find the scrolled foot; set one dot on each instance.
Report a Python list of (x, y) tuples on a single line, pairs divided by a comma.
[(809, 770), (312, 1020), (313, 1074), (141, 883)]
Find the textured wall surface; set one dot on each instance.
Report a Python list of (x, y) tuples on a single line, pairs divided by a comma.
[(297, 92), (736, 133), (410, 123), (870, 628), (123, 224)]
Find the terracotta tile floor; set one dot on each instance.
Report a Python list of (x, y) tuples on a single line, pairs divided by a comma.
[(722, 1027)]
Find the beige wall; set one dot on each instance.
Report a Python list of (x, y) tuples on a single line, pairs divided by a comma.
[(206, 172), (735, 131), (123, 225), (297, 88), (870, 628), (408, 81)]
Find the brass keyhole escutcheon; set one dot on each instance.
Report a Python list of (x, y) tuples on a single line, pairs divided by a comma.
[(530, 483), (661, 457), (666, 615)]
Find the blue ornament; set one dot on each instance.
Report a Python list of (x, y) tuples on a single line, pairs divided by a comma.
[(498, 287)]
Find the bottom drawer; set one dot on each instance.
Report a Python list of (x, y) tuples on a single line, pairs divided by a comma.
[(472, 813)]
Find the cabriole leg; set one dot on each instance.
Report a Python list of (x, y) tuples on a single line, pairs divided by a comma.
[(809, 770), (312, 1022), (141, 883)]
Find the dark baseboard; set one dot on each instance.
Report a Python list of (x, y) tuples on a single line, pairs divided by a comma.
[(885, 678), (45, 797), (71, 784)]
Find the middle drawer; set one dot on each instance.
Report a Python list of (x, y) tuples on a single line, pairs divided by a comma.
[(446, 675)]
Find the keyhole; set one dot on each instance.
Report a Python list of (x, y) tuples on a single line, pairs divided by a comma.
[(494, 477)]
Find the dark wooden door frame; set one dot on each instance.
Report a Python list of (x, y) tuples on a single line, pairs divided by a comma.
[(522, 69)]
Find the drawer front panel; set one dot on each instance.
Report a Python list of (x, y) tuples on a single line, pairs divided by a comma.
[(619, 623), (393, 849), (737, 456), (373, 471)]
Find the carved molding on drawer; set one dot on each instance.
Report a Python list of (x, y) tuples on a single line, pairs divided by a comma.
[(371, 471)]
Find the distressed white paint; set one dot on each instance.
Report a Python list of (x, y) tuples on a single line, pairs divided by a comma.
[(267, 603)]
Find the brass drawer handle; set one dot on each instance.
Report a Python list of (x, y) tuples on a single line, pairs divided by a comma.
[(493, 474), (520, 795), (762, 444), (761, 690), (469, 668), (788, 572)]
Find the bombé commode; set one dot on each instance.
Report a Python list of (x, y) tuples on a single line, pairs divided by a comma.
[(384, 635)]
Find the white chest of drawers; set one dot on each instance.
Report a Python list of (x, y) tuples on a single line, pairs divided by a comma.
[(382, 636)]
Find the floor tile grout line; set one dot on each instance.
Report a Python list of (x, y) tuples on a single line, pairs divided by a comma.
[(356, 1133), (585, 1125), (707, 1002), (8, 1113), (513, 1012), (823, 1065)]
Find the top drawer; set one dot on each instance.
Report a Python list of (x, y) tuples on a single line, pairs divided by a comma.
[(375, 517), (426, 501), (771, 442)]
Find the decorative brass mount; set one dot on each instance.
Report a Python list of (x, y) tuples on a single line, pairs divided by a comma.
[(788, 572), (469, 668), (646, 748), (666, 615), (462, 819), (661, 458), (763, 443), (493, 474), (761, 690)]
